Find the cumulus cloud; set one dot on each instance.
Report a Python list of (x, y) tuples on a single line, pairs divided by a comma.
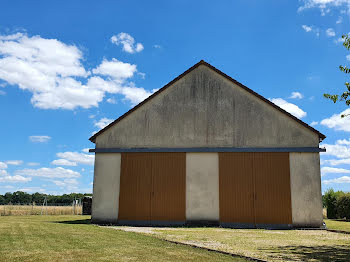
[(39, 139), (289, 107), (33, 164), (3, 165), (340, 180), (103, 122), (337, 122), (63, 162), (111, 100), (324, 5), (330, 32), (77, 157), (128, 43), (14, 179), (14, 162), (58, 172), (53, 72), (307, 28), (314, 123), (296, 95), (85, 150), (333, 170)]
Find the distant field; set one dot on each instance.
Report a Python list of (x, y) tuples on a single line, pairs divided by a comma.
[(73, 238), (26, 210)]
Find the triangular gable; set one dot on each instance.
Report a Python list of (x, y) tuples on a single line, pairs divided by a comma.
[(202, 62)]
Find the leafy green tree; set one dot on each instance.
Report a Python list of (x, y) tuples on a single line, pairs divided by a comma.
[(2, 200), (345, 95), (343, 206), (330, 199)]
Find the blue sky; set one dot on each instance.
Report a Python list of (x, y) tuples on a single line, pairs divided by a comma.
[(67, 68)]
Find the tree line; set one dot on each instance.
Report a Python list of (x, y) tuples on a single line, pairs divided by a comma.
[(23, 198), (337, 204)]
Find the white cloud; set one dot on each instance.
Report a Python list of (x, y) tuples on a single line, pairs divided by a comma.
[(157, 46), (115, 69), (333, 170), (307, 28), (128, 43), (289, 107), (66, 182), (324, 5), (340, 180), (314, 123), (339, 40), (57, 172), (340, 20), (313, 29), (340, 149), (39, 139), (2, 93), (32, 189), (111, 100), (330, 32), (297, 95), (53, 72), (337, 122), (14, 162), (77, 157), (3, 165), (33, 164), (348, 57), (3, 172), (63, 162), (15, 179), (103, 122), (335, 162), (85, 150)]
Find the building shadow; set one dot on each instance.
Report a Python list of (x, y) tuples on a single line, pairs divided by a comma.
[(75, 222), (314, 253)]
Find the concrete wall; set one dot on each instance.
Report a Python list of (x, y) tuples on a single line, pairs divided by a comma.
[(105, 200), (204, 109), (202, 186), (306, 193)]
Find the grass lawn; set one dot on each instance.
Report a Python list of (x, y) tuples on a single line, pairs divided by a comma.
[(270, 245), (338, 224), (72, 238)]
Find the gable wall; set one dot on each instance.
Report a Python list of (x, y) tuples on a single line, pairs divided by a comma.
[(204, 109)]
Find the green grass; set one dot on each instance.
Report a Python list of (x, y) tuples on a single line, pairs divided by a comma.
[(73, 238), (338, 224), (270, 245)]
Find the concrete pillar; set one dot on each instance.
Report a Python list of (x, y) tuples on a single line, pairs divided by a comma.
[(305, 180), (202, 186), (105, 201)]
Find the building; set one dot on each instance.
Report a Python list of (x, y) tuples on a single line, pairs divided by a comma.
[(207, 149)]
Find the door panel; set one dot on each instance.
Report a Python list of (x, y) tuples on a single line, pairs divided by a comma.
[(169, 187), (135, 187), (236, 188), (272, 188), (254, 188), (152, 187)]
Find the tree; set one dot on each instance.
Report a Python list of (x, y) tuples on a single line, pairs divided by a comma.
[(345, 96)]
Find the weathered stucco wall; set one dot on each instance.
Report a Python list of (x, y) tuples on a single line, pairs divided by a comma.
[(202, 186), (306, 193), (204, 109), (105, 201)]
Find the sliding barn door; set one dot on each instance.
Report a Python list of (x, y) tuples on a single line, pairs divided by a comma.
[(272, 188), (255, 188), (169, 187), (152, 187), (135, 187), (236, 187)]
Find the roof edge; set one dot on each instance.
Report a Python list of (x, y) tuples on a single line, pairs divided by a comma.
[(202, 62)]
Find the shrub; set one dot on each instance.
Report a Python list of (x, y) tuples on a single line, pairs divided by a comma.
[(330, 201), (343, 206)]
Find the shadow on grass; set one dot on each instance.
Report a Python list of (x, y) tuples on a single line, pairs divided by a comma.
[(318, 253), (75, 222)]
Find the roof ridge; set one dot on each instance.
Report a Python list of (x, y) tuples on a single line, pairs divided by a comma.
[(202, 62)]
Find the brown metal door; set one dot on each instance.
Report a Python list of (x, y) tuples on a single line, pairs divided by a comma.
[(272, 188), (236, 188), (135, 187), (255, 188), (169, 187)]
